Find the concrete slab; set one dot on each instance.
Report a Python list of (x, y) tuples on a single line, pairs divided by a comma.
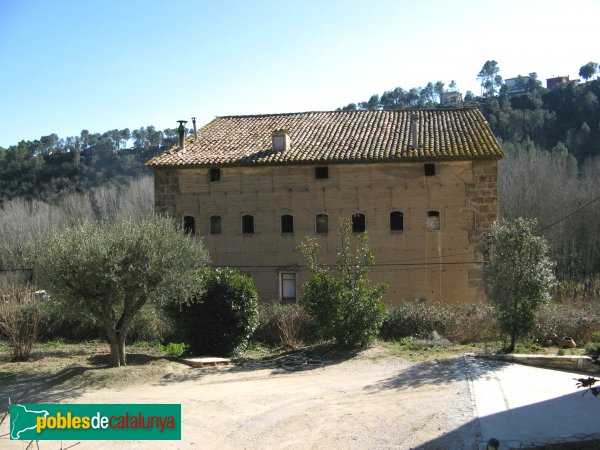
[(519, 404)]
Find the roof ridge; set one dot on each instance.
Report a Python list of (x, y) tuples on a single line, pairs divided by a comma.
[(355, 111)]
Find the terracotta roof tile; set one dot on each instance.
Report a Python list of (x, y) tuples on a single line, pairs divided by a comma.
[(337, 137)]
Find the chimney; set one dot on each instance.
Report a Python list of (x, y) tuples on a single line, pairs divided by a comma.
[(181, 133), (414, 130), (281, 141), (195, 130)]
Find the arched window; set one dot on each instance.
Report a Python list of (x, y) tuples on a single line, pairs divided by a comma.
[(247, 224), (322, 223), (433, 221), (189, 225), (215, 224), (396, 221), (287, 224), (359, 223)]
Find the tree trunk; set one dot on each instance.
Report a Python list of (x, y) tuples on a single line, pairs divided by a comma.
[(114, 352), (121, 349), (513, 339)]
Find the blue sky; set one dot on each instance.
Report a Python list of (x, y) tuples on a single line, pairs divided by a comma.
[(69, 65)]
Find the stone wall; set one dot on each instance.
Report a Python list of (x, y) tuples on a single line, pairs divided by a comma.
[(439, 266)]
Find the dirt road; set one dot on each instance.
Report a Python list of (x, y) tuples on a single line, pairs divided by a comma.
[(358, 403)]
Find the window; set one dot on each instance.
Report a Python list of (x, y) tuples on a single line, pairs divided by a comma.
[(287, 224), (214, 175), (396, 221), (248, 224), (321, 173), (429, 170), (358, 223), (322, 223), (288, 287), (433, 220), (215, 224), (189, 225)]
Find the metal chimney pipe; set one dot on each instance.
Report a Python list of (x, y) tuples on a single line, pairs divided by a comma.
[(195, 131), (181, 133), (414, 130)]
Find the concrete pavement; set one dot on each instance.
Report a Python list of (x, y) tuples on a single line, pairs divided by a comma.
[(524, 406)]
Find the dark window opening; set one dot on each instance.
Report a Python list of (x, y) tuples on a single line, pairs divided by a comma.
[(358, 223), (429, 170), (248, 224), (433, 220), (189, 225), (396, 221), (287, 223), (214, 174), (321, 173), (215, 225), (288, 287), (322, 223)]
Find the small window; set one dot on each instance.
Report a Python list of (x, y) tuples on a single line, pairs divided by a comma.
[(429, 170), (214, 175), (287, 223), (396, 221), (248, 224), (321, 173), (215, 225), (288, 287), (358, 223), (189, 225), (322, 223), (433, 220)]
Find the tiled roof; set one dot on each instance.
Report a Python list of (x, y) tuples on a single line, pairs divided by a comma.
[(338, 137)]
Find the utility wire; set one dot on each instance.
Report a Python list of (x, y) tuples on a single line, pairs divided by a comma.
[(568, 215)]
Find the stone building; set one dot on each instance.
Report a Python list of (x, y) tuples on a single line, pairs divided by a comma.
[(422, 183)]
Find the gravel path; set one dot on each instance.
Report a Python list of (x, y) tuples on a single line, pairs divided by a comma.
[(356, 404)]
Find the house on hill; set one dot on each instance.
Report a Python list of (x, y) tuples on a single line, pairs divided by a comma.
[(422, 183)]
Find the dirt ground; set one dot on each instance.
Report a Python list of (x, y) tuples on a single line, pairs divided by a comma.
[(372, 400)]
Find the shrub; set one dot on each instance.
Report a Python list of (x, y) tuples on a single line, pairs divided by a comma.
[(462, 324), (173, 349), (220, 317), (414, 319), (21, 310), (341, 300), (593, 349), (472, 323), (557, 320), (284, 325)]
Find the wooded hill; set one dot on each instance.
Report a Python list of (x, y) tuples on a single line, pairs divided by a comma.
[(551, 172)]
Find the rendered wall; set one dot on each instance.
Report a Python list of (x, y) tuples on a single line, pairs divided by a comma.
[(465, 194)]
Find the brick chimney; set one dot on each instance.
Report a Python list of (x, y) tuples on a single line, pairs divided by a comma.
[(414, 130)]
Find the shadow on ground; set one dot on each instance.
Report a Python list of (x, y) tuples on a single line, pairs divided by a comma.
[(434, 372), (284, 363), (542, 425)]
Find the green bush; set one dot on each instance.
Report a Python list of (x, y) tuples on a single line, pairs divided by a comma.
[(593, 349), (341, 300), (173, 349), (221, 316), (284, 326)]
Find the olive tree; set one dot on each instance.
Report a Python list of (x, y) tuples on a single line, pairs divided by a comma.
[(111, 270), (518, 275)]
